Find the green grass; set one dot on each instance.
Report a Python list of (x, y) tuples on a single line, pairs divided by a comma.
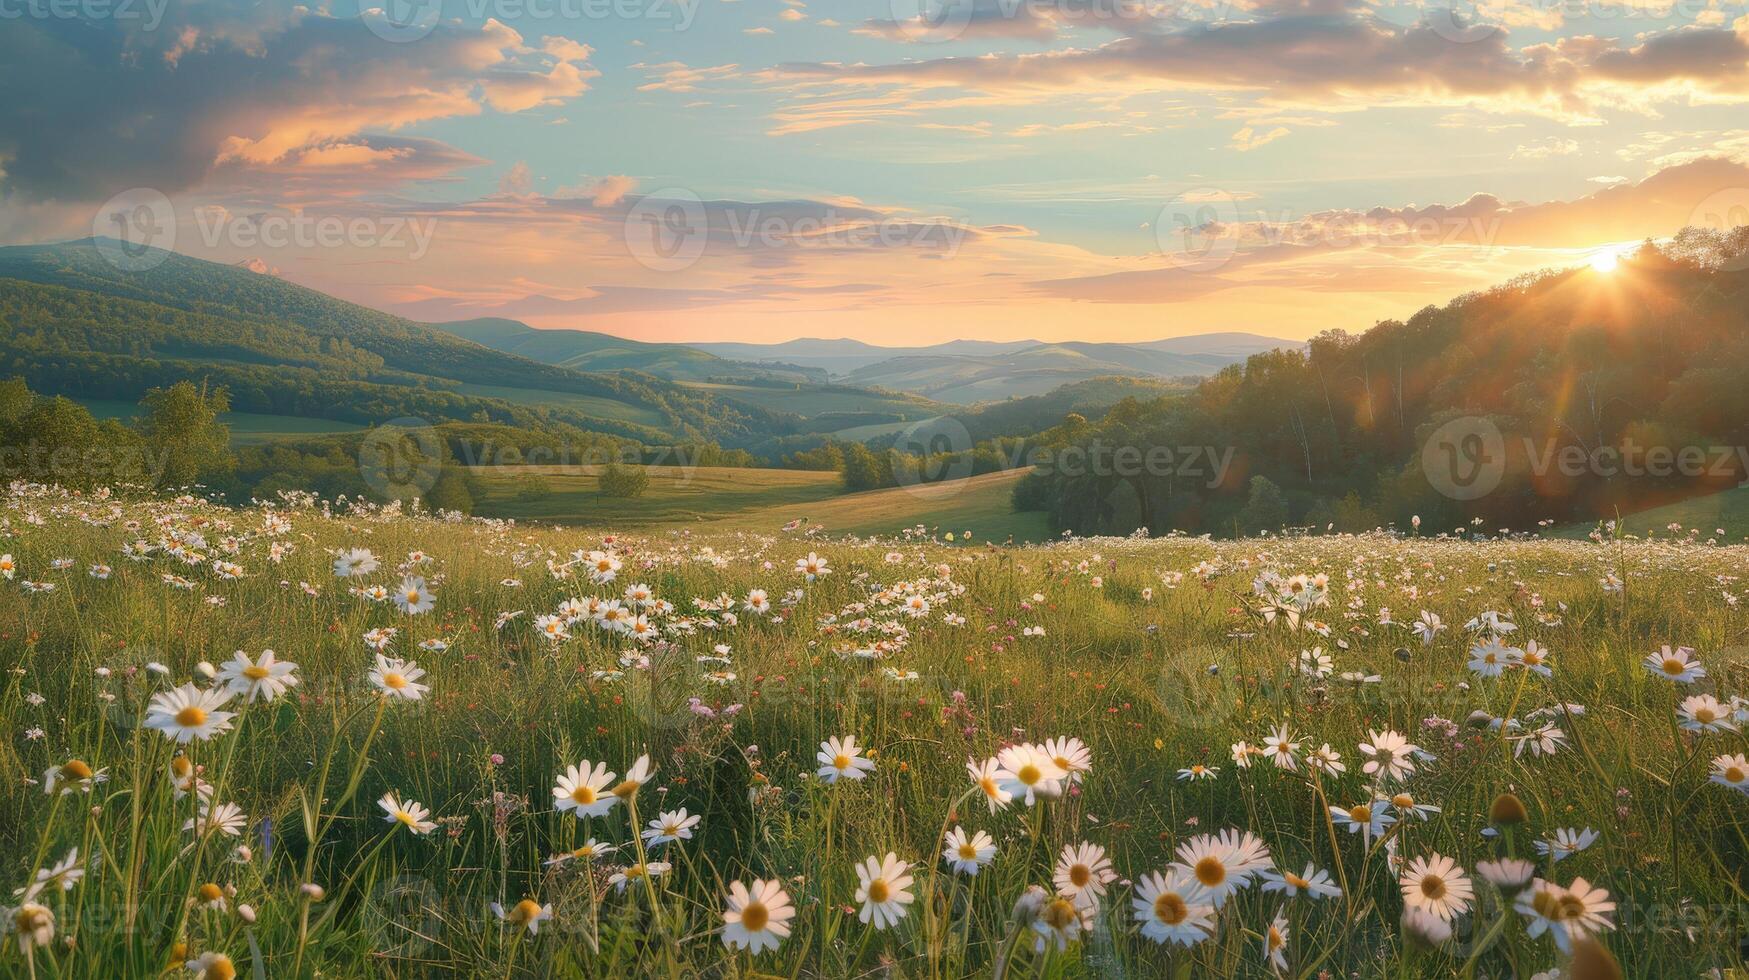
[(1123, 666), (762, 500), (811, 400), (247, 428), (607, 408), (1727, 510)]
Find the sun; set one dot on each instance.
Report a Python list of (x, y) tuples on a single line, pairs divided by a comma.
[(1604, 261)]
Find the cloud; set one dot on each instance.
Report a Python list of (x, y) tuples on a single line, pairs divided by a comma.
[(1249, 138), (1346, 59), (604, 192), (227, 86)]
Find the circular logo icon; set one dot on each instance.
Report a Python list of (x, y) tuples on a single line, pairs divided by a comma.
[(1458, 28), (931, 21), (402, 459), (937, 450), (667, 230), (135, 230), (1465, 458), (401, 21), (1192, 695), (1725, 211), (1194, 230)]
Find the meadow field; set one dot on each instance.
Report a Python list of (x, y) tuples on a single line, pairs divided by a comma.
[(311, 740), (758, 499)]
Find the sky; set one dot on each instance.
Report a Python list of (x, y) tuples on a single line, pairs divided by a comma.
[(897, 171)]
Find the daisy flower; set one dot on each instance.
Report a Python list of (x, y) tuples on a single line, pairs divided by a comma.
[(398, 678), (1028, 773), (813, 566), (265, 677), (841, 758), (212, 966), (1059, 922), (1281, 748), (756, 918), (1704, 713), (670, 825), (1222, 863), (987, 776), (966, 854), (1366, 819), (413, 815), (1565, 913), (583, 790), (1082, 873), (1275, 944), (1198, 771), (1313, 881), (1732, 771), (1389, 755), (188, 713), (1566, 843), (654, 869), (526, 914), (883, 890), (1676, 665), (1070, 755), (73, 776), (636, 777), (226, 818), (1173, 908), (355, 562), (1437, 886), (413, 597), (1507, 873)]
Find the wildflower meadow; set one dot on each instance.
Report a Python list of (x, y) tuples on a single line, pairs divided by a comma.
[(311, 739)]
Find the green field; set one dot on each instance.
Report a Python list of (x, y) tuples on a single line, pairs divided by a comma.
[(606, 408), (247, 428), (809, 401), (727, 498), (365, 822), (1727, 510)]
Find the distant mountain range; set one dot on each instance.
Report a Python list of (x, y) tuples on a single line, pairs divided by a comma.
[(960, 371), (584, 350)]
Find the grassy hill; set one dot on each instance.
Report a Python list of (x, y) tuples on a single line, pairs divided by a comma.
[(585, 350), (762, 500), (77, 325)]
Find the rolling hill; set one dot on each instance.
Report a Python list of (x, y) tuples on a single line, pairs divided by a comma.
[(967, 372), (585, 350), (79, 326)]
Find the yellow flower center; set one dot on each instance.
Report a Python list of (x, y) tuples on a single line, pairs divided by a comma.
[(404, 817), (583, 795), (1433, 886), (525, 911), (191, 716), (1735, 774), (755, 916), (1276, 940), (256, 672), (1295, 880), (1170, 908), (1210, 871), (394, 682), (1080, 875), (626, 790), (210, 892), (878, 891), (1029, 774), (76, 769), (989, 786), (1360, 814), (1059, 914), (1403, 800), (1062, 763), (1546, 903), (967, 852), (412, 597), (1704, 715), (841, 761), (1674, 666), (219, 969)]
